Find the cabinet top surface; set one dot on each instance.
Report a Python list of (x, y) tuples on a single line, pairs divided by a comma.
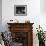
[(19, 23)]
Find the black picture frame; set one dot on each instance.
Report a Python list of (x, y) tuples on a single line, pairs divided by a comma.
[(20, 10)]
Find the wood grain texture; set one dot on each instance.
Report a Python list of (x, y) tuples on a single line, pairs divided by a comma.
[(23, 27)]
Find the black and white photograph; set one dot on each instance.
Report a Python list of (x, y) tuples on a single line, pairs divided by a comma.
[(20, 10)]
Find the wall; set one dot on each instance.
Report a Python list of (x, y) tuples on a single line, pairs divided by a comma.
[(43, 14), (33, 14), (33, 10), (43, 6), (0, 15)]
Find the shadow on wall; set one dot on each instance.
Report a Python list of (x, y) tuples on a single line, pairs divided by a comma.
[(0, 15), (43, 6)]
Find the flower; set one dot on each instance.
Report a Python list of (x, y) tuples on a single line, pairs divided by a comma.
[(40, 33)]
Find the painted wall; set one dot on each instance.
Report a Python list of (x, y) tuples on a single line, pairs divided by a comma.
[(43, 14), (43, 6), (0, 15), (33, 11)]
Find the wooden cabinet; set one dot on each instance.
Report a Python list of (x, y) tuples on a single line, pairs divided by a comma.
[(22, 33)]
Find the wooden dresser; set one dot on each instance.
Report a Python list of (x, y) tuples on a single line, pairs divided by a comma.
[(22, 33)]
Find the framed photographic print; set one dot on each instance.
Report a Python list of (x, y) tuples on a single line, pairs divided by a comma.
[(20, 10)]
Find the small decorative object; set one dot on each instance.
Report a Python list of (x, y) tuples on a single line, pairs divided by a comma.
[(20, 10), (27, 21), (14, 21), (11, 20), (41, 36)]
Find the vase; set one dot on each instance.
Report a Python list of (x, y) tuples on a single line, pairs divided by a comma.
[(41, 43)]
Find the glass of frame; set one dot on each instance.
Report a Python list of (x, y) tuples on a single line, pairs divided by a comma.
[(20, 10)]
